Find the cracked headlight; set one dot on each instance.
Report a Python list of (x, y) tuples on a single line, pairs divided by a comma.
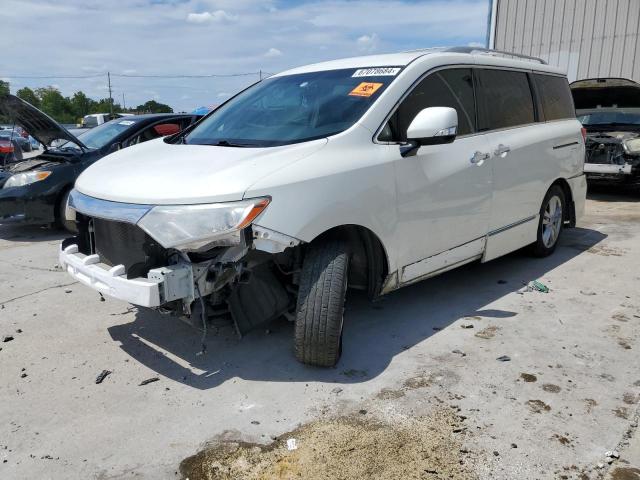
[(22, 179), (193, 227)]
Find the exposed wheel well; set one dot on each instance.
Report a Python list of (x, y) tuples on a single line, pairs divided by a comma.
[(369, 263), (57, 210), (570, 213)]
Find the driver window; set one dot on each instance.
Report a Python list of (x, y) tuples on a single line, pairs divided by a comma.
[(446, 88), (145, 135)]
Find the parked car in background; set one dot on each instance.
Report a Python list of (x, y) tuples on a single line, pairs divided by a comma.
[(35, 191), (609, 109), (23, 141), (95, 119), (10, 151), (370, 173)]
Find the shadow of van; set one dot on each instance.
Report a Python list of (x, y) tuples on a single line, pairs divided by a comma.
[(373, 334)]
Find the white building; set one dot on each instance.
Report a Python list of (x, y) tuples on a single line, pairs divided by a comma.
[(587, 38)]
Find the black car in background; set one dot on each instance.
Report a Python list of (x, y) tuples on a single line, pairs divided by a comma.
[(35, 191)]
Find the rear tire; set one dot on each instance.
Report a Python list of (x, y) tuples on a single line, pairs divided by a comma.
[(551, 222), (320, 309)]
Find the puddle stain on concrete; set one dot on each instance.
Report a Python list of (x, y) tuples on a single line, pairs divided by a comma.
[(347, 447), (551, 388), (528, 377), (625, 473)]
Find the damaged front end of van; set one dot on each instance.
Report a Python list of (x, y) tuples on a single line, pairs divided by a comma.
[(193, 261)]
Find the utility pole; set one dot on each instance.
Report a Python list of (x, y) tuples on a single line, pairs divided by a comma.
[(110, 97), (124, 105), (260, 74)]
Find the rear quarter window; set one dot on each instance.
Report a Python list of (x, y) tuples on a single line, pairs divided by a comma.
[(504, 99), (555, 97)]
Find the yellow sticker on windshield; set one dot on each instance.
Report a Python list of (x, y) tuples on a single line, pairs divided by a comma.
[(365, 89)]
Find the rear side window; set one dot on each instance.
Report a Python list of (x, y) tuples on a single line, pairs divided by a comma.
[(447, 88), (504, 99), (555, 97)]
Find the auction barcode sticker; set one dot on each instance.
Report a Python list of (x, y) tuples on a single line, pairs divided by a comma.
[(377, 72)]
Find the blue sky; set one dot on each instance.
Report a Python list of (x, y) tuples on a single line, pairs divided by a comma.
[(195, 37)]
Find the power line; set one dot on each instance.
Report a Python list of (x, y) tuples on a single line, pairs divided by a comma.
[(259, 73)]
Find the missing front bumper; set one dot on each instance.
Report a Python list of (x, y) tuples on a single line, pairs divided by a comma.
[(162, 284)]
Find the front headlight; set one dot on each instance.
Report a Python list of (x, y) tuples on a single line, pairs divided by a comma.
[(22, 179), (633, 146), (193, 227)]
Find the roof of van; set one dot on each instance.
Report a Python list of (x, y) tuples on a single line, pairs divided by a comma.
[(402, 59)]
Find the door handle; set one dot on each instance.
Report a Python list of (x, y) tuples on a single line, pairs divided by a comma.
[(479, 158), (502, 150)]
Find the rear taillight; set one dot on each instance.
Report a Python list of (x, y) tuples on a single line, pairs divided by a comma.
[(584, 134)]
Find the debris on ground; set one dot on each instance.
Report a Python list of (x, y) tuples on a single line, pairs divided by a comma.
[(7, 338), (102, 375), (466, 325), (355, 447), (459, 352), (504, 358), (292, 444), (538, 286), (148, 381), (336, 391)]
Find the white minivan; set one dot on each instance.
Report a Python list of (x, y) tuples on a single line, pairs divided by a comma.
[(367, 173)]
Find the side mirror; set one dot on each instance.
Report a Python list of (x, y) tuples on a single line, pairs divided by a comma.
[(432, 126)]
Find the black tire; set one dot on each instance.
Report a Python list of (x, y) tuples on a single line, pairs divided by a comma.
[(61, 217), (320, 309), (545, 245)]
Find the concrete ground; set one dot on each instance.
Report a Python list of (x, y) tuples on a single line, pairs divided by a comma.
[(568, 393)]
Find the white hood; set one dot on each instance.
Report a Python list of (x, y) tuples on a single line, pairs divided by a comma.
[(159, 173)]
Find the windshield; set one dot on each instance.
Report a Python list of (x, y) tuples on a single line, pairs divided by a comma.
[(618, 117), (294, 108), (103, 134)]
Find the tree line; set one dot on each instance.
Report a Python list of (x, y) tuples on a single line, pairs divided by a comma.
[(72, 109)]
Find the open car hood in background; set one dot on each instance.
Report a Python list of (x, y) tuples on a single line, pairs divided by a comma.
[(605, 93), (38, 124)]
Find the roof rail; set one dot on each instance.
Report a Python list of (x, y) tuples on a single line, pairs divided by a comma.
[(493, 52)]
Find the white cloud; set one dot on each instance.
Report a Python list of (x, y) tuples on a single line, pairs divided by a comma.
[(217, 16), (234, 37), (368, 43), (273, 52)]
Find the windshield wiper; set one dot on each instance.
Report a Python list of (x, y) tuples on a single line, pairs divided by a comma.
[(226, 143)]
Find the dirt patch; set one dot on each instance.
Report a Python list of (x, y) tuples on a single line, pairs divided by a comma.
[(630, 398), (551, 388), (621, 412), (419, 381), (538, 406), (625, 473), (562, 439), (343, 448), (624, 343), (389, 394), (488, 332), (528, 377), (590, 403), (606, 251), (621, 317)]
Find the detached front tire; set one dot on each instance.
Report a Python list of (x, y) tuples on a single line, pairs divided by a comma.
[(551, 222), (320, 308)]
